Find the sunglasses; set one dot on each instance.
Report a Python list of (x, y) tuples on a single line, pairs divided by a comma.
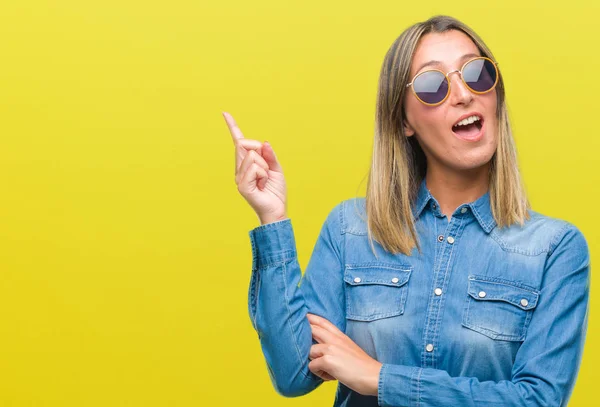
[(432, 87)]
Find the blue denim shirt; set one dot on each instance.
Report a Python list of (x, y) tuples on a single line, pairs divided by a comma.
[(482, 316)]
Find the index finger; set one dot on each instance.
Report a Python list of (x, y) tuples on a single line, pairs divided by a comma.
[(236, 133), (324, 323)]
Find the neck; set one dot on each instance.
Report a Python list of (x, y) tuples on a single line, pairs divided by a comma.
[(454, 188)]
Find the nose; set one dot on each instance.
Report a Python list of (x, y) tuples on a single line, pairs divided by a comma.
[(459, 93)]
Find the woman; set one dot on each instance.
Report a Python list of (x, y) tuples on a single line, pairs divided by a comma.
[(441, 287)]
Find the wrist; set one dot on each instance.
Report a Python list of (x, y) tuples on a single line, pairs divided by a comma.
[(271, 219)]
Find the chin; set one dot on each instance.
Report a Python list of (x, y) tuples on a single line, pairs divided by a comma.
[(473, 165)]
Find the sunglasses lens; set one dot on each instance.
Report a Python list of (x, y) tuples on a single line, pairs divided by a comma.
[(480, 75), (431, 87)]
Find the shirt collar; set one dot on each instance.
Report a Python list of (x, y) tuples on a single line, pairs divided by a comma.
[(480, 207)]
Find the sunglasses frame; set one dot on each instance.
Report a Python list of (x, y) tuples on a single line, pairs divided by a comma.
[(447, 75)]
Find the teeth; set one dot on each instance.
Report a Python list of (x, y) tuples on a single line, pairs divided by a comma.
[(468, 120)]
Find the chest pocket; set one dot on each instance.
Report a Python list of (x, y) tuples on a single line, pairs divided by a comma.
[(375, 290), (499, 309)]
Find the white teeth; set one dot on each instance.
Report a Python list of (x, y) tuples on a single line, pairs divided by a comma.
[(468, 120)]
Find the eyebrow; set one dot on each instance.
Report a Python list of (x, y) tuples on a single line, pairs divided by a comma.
[(434, 62)]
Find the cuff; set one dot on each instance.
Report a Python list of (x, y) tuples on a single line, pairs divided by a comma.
[(398, 385), (272, 243)]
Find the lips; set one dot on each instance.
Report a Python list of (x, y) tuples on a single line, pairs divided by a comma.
[(468, 115), (469, 127)]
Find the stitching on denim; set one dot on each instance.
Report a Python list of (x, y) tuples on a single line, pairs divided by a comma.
[(353, 229), (419, 372), (496, 335), (370, 280), (379, 265), (380, 382), (437, 265), (500, 281), (486, 226), (287, 306), (466, 322), (459, 229), (504, 246), (398, 306), (257, 295), (275, 259), (342, 217), (253, 298), (467, 312), (254, 253), (511, 301), (554, 242)]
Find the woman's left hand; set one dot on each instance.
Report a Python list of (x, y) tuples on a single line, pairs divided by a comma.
[(338, 356)]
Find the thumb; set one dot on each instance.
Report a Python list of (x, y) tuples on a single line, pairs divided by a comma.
[(270, 157)]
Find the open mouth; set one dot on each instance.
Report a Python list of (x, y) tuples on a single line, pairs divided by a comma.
[(468, 127)]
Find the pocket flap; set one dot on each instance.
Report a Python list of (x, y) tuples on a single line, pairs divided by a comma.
[(377, 273), (494, 289)]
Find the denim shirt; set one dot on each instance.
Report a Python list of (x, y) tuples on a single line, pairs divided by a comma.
[(481, 316)]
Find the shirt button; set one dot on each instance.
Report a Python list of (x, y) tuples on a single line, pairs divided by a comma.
[(357, 280), (438, 291), (429, 348), (440, 238), (450, 239), (524, 302), (395, 280), (434, 206), (463, 210), (482, 294)]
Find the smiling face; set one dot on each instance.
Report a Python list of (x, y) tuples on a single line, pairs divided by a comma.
[(447, 146)]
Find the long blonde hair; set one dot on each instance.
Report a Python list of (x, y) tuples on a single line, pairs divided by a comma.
[(398, 164)]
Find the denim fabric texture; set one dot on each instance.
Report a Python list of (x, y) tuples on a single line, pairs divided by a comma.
[(482, 316)]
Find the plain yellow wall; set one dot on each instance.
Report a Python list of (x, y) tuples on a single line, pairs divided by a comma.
[(124, 248)]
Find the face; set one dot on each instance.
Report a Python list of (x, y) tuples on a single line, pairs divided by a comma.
[(446, 146)]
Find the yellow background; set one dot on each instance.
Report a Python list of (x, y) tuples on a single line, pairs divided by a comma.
[(124, 248)]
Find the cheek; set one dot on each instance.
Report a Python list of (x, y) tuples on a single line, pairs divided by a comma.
[(427, 121)]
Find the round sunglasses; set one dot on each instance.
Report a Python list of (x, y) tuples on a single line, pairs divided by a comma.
[(432, 87)]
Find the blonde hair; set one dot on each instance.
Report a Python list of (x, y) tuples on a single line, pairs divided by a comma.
[(398, 163)]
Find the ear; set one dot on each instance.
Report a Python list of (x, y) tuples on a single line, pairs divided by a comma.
[(408, 129)]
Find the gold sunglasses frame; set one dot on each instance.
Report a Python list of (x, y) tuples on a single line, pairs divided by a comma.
[(447, 75)]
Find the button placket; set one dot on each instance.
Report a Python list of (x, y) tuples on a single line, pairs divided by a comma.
[(442, 269)]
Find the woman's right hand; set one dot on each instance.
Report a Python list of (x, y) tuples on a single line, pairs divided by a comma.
[(258, 175)]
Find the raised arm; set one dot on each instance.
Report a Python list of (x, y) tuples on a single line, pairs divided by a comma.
[(277, 303)]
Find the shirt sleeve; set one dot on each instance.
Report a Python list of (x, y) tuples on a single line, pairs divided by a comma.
[(279, 298), (546, 364)]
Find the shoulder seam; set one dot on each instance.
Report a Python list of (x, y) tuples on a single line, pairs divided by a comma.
[(341, 217), (554, 242)]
